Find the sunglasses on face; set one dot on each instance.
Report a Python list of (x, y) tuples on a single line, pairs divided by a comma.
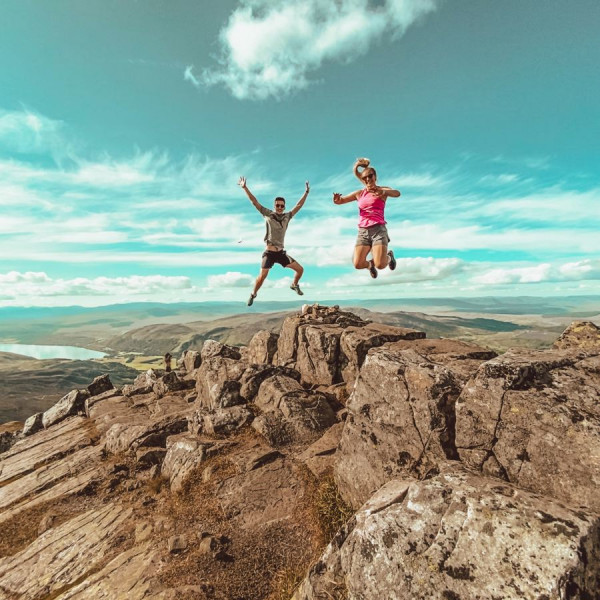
[(280, 206), (369, 176)]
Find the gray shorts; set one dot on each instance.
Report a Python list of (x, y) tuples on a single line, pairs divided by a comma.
[(376, 235)]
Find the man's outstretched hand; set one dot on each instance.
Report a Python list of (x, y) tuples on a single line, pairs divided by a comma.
[(242, 182)]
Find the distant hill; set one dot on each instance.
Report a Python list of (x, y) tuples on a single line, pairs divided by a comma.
[(28, 385), (97, 327)]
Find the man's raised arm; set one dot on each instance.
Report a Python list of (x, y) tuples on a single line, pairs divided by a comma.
[(302, 200), (259, 207)]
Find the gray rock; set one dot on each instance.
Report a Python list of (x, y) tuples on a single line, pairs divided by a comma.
[(191, 360), (185, 453), (221, 421), (33, 424), (291, 413), (262, 347), (124, 437), (212, 348), (142, 384), (170, 382), (101, 384), (533, 418), (400, 422), (255, 374), (459, 535), (218, 382), (70, 404), (177, 544), (319, 457)]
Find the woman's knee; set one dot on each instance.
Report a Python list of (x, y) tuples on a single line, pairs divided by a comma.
[(381, 263), (357, 262)]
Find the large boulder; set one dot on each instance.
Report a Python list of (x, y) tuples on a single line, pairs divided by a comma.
[(185, 453), (262, 347), (459, 535), (290, 413), (328, 346), (355, 343), (220, 421), (580, 335), (218, 382), (212, 348), (255, 374), (170, 382), (533, 418), (400, 421), (191, 360), (287, 346), (72, 403)]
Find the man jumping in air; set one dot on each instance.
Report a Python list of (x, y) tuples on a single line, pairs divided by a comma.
[(277, 222)]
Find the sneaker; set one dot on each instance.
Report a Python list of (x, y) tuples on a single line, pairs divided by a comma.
[(251, 299), (372, 269), (297, 289), (391, 261)]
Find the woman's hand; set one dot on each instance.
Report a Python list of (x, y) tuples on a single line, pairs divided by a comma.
[(337, 198)]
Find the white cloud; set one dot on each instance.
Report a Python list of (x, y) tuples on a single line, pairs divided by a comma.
[(408, 270), (269, 47), (535, 274), (26, 131), (231, 279), (586, 269), (31, 285)]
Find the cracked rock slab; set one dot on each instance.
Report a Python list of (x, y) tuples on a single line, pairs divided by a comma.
[(533, 418), (130, 575), (459, 535), (60, 557), (400, 422), (46, 446)]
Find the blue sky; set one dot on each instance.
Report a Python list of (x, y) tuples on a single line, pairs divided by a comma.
[(124, 126)]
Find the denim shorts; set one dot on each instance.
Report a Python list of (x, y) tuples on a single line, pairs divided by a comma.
[(376, 235)]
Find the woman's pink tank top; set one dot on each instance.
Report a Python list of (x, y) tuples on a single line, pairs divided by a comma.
[(370, 208)]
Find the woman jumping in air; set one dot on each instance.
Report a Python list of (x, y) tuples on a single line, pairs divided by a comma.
[(372, 232)]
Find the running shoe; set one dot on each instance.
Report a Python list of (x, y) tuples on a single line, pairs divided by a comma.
[(297, 289), (251, 299), (392, 260), (372, 269)]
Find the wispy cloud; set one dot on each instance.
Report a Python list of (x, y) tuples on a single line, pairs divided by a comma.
[(408, 270), (582, 270), (270, 47), (27, 131), (35, 284)]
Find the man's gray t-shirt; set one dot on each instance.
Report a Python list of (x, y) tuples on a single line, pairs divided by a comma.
[(276, 226)]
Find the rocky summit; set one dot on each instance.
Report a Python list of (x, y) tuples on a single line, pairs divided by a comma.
[(341, 459)]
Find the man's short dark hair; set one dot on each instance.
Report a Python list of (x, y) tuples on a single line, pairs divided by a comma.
[(279, 198)]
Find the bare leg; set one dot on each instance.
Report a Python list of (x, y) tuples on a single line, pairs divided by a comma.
[(380, 256), (260, 280), (360, 257), (296, 266)]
